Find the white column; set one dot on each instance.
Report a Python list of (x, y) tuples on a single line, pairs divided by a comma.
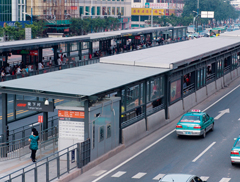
[(14, 10)]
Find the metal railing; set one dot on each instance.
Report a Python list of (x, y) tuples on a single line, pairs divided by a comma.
[(26, 130), (210, 78), (189, 89), (227, 69), (154, 109), (20, 147), (53, 166)]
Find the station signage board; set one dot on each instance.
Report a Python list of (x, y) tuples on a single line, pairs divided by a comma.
[(34, 105), (71, 114)]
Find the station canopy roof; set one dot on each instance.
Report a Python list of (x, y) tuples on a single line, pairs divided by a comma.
[(48, 42), (235, 33), (79, 82), (172, 56)]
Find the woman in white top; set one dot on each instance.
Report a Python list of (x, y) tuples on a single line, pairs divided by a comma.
[(18, 70)]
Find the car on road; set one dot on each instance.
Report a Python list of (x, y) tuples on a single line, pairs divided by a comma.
[(180, 178), (195, 123), (235, 152)]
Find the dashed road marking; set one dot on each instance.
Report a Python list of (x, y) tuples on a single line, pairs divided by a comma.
[(139, 175), (118, 174)]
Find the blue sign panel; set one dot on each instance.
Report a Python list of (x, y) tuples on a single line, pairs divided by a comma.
[(12, 23)]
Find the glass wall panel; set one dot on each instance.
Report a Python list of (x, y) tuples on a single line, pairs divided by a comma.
[(10, 106), (98, 10), (175, 90)]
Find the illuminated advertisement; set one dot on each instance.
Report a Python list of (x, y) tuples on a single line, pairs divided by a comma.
[(175, 90)]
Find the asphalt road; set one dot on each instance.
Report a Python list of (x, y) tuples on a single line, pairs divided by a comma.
[(209, 157)]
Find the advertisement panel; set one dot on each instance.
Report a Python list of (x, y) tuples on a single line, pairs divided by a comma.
[(164, 6), (175, 90), (70, 114)]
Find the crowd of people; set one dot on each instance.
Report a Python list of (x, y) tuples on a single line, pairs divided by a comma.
[(24, 69)]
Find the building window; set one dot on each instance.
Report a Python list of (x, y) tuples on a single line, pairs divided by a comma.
[(109, 11), (118, 10), (104, 11), (93, 10), (137, 1), (109, 134), (149, 1), (101, 133), (135, 18), (87, 9), (122, 11), (81, 9), (113, 10), (45, 12), (143, 18), (98, 10)]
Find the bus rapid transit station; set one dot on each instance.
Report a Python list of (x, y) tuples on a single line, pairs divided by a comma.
[(78, 48), (125, 97)]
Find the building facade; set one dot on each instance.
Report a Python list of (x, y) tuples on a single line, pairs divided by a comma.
[(12, 10), (53, 10)]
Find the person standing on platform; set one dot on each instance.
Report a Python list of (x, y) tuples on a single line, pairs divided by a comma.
[(33, 139)]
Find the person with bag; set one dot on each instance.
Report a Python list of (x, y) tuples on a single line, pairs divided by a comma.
[(33, 139)]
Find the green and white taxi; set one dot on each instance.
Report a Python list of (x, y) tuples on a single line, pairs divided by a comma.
[(235, 152), (195, 123)]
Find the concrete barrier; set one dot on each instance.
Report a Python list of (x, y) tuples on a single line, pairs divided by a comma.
[(238, 71), (219, 83), (189, 101), (156, 120), (234, 74), (175, 110), (226, 79), (201, 94), (211, 88), (134, 132)]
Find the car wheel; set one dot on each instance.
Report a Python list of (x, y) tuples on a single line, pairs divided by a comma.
[(233, 164), (204, 133), (212, 127)]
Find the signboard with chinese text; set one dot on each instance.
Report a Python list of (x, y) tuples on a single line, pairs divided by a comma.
[(71, 114), (148, 11), (40, 119), (34, 105), (164, 5)]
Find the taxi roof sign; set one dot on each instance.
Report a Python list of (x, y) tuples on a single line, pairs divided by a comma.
[(196, 110)]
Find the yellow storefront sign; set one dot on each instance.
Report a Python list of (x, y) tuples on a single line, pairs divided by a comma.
[(148, 11)]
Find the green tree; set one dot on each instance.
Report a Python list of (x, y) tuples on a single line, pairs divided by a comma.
[(223, 10), (38, 28)]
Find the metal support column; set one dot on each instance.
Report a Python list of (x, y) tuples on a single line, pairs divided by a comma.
[(45, 125), (86, 120), (120, 116), (55, 48), (14, 105), (4, 123), (80, 50), (145, 101), (24, 59), (68, 49), (90, 48), (166, 94), (40, 54)]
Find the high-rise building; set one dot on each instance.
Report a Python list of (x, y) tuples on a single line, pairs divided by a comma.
[(12, 10)]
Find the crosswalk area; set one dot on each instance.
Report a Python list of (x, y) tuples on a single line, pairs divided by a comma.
[(140, 175)]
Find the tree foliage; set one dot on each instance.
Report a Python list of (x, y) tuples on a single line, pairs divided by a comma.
[(80, 26), (173, 20), (223, 10)]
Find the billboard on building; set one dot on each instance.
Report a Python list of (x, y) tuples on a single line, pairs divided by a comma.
[(148, 11), (164, 5)]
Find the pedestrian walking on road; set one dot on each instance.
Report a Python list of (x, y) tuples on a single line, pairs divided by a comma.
[(33, 139)]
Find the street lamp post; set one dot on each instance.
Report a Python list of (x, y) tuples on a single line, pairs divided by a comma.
[(31, 12), (152, 18)]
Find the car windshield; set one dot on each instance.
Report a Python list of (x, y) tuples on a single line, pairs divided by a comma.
[(192, 119), (238, 143)]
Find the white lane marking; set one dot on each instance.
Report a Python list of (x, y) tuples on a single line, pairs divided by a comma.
[(139, 175), (34, 124), (129, 159), (126, 161), (203, 152), (118, 174), (239, 119), (204, 178), (225, 180), (221, 113), (98, 173), (158, 176), (221, 98)]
